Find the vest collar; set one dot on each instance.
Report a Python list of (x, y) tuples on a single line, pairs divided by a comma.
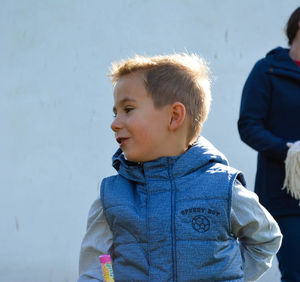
[(201, 153)]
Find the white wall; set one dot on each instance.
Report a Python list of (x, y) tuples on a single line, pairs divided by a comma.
[(56, 100)]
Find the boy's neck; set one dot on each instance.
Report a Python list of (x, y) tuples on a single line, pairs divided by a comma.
[(176, 150), (178, 143)]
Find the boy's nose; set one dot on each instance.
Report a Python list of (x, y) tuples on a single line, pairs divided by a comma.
[(116, 125)]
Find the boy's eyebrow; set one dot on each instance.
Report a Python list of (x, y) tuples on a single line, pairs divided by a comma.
[(123, 101)]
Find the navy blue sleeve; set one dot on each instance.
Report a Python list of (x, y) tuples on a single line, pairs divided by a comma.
[(255, 103)]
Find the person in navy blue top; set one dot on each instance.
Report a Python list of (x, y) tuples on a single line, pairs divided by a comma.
[(269, 122)]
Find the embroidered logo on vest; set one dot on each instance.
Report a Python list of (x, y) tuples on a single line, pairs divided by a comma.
[(200, 217), (201, 223)]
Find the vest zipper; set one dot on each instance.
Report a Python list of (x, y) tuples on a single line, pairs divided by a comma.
[(173, 229)]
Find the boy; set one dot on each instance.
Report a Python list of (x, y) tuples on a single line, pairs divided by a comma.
[(176, 211)]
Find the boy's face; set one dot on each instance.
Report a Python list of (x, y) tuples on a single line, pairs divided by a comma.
[(140, 128)]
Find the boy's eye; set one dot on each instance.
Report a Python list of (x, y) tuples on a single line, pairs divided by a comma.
[(128, 109)]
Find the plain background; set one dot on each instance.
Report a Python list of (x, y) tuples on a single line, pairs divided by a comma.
[(56, 106)]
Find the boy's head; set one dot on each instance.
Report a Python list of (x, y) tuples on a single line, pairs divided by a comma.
[(176, 87)]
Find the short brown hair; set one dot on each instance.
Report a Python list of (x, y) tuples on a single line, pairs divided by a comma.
[(292, 25), (173, 78)]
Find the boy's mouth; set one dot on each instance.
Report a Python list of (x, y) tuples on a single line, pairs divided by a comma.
[(121, 140)]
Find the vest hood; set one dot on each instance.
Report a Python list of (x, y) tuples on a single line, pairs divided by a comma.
[(201, 153)]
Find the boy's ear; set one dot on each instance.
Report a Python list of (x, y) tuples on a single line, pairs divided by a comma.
[(178, 114)]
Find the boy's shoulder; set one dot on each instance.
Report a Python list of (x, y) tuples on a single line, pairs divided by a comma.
[(225, 172), (108, 181), (114, 185)]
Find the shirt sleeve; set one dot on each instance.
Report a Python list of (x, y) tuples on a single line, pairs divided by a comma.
[(97, 241), (258, 233), (254, 109)]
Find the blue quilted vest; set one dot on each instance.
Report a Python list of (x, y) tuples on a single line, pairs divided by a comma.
[(170, 218)]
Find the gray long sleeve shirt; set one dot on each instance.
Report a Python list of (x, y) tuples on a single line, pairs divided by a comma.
[(258, 234)]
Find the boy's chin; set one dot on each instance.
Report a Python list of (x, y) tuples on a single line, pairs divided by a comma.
[(132, 159), (136, 159)]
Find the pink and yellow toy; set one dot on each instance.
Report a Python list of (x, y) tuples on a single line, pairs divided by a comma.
[(107, 270)]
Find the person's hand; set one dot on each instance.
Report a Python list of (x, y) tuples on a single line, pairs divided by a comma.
[(295, 145)]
